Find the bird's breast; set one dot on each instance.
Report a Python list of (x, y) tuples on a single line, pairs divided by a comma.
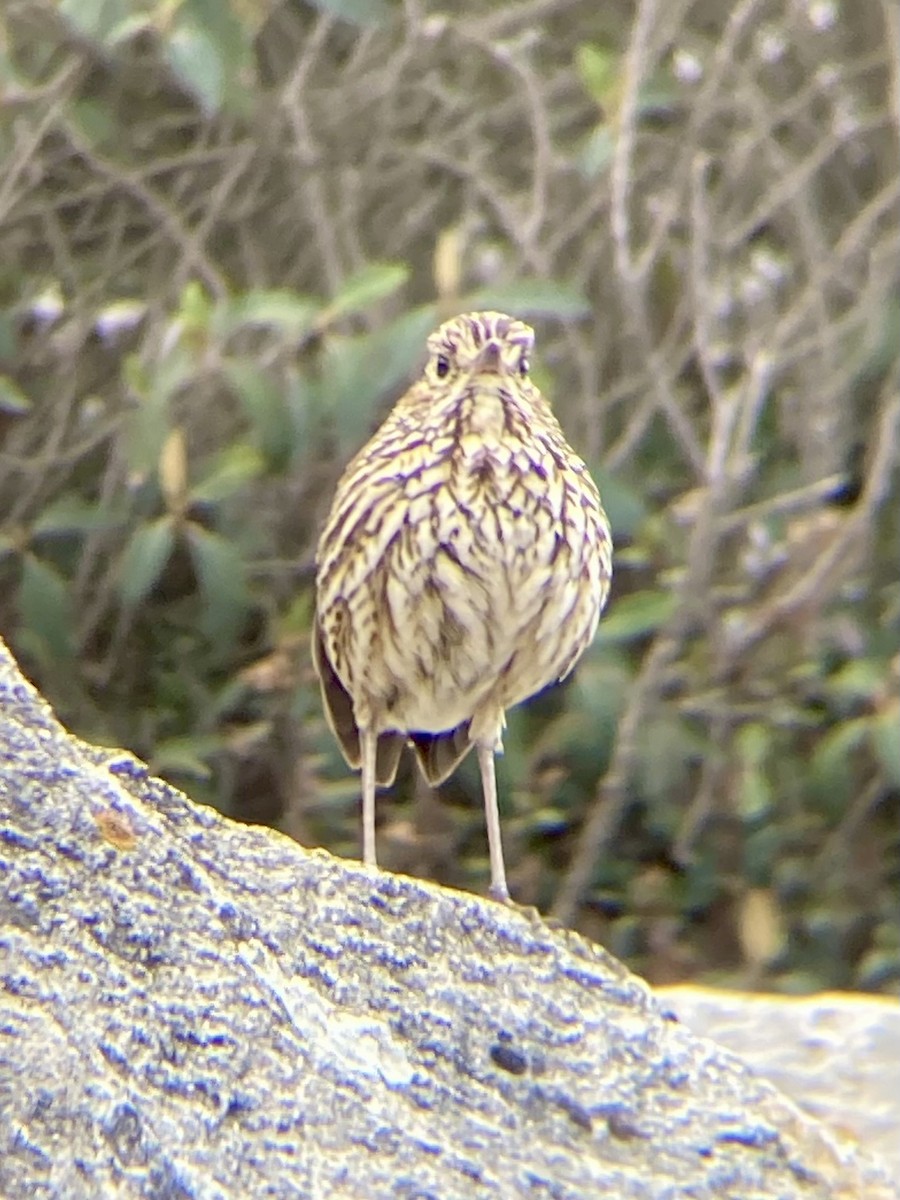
[(470, 570), (493, 571)]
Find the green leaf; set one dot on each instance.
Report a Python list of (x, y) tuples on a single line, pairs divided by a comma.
[(94, 19), (12, 398), (754, 793), (366, 13), (531, 298), (379, 362), (128, 28), (885, 734), (45, 610), (635, 616), (395, 351), (268, 409), (670, 748), (196, 60), (196, 309), (149, 423), (348, 391), (830, 770), (753, 744), (186, 755), (625, 505), (94, 121), (144, 560), (599, 691), (234, 467), (597, 152), (222, 576), (363, 289), (657, 97), (299, 399), (232, 26), (70, 514), (598, 67), (290, 313), (877, 970), (859, 679)]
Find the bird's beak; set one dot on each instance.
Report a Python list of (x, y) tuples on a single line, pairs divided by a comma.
[(489, 358)]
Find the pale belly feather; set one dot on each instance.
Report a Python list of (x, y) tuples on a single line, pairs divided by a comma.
[(481, 596)]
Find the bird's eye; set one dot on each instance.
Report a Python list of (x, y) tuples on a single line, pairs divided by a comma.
[(442, 366), (524, 365)]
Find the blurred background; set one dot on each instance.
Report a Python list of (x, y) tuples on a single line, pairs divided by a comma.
[(226, 227)]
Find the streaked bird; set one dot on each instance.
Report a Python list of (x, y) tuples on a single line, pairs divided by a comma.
[(462, 568)]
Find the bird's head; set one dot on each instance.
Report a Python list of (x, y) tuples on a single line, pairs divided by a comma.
[(479, 343)]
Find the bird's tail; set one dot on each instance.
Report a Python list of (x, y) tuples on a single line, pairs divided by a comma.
[(439, 754)]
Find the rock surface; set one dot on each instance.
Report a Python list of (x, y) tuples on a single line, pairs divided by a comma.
[(194, 1009), (837, 1055)]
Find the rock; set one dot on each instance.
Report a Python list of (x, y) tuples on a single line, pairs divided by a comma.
[(837, 1055), (194, 1009)]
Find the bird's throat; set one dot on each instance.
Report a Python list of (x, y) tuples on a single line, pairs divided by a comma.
[(487, 417)]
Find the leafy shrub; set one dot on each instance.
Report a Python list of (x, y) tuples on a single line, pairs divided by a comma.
[(226, 230)]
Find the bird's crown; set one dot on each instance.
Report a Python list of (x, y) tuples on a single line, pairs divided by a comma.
[(480, 341)]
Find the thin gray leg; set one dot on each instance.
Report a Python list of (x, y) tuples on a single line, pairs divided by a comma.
[(369, 742), (499, 890)]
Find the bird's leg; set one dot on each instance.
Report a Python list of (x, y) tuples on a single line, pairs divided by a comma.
[(369, 744), (486, 765)]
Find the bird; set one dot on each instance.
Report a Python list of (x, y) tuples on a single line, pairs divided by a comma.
[(462, 568)]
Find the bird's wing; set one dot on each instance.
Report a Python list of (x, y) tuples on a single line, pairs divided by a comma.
[(338, 708)]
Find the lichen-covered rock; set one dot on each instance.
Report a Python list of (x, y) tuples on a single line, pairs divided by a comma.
[(195, 1009)]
